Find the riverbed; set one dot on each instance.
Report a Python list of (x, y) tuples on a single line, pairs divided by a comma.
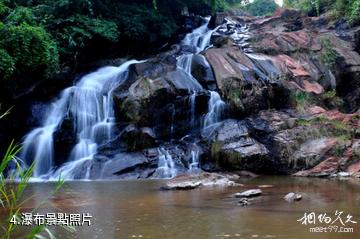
[(139, 209)]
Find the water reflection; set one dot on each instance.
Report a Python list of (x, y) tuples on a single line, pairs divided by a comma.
[(138, 209)]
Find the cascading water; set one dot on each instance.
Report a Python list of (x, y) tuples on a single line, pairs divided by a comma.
[(89, 107), (89, 104), (166, 165), (216, 109), (192, 108), (194, 166), (199, 39)]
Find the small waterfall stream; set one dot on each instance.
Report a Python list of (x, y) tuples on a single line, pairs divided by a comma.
[(216, 109), (166, 165), (90, 106)]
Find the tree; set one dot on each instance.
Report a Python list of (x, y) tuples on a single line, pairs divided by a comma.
[(262, 7)]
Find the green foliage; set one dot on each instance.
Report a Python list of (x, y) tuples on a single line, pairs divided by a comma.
[(353, 13), (4, 10), (30, 48), (261, 7), (300, 100), (140, 22), (27, 48), (7, 64), (331, 100), (75, 32), (328, 54), (20, 15), (341, 8)]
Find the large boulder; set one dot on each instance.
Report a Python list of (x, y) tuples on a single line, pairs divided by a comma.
[(233, 148), (157, 94), (202, 71)]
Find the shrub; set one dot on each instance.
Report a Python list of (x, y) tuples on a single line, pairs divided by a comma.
[(7, 64), (31, 48), (300, 100), (262, 7), (354, 12), (21, 15)]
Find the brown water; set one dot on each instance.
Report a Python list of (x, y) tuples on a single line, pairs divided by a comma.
[(138, 209)]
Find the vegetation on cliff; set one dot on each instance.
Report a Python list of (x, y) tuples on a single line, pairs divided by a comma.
[(339, 8)]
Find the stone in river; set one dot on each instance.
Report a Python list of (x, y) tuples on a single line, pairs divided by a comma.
[(291, 197), (244, 202), (249, 193), (187, 182)]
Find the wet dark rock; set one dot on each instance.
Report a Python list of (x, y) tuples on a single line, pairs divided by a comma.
[(123, 165), (156, 95), (217, 19), (245, 202), (139, 139), (64, 140), (233, 148), (202, 71)]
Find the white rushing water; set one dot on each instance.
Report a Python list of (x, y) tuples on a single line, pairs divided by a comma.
[(194, 166), (166, 165), (215, 111), (200, 40), (90, 105)]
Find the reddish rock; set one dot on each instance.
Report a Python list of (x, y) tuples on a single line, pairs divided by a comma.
[(327, 167), (316, 110)]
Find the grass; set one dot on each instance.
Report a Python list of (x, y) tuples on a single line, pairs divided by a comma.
[(301, 100), (334, 128), (328, 54), (12, 187)]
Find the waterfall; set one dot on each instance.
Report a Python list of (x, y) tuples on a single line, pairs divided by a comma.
[(90, 106), (216, 109), (192, 108), (199, 39), (166, 165), (87, 108), (195, 162), (38, 144)]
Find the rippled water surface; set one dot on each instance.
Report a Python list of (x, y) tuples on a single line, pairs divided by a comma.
[(138, 209)]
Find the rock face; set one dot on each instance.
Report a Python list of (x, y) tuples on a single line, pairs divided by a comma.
[(310, 144), (138, 139), (202, 71), (233, 148), (256, 59), (156, 95)]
